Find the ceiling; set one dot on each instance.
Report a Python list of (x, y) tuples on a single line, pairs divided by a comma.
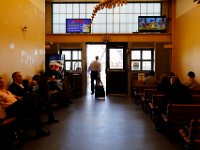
[(97, 0), (71, 0)]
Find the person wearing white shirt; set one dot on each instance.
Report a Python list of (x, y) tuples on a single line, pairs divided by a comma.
[(95, 68)]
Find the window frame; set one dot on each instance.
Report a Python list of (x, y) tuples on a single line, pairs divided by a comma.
[(141, 60), (74, 63), (123, 25)]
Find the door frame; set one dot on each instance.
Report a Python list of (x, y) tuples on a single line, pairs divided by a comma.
[(113, 75)]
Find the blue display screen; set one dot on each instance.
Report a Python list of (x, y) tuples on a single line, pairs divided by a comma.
[(78, 25)]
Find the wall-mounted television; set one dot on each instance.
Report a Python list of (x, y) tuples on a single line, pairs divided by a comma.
[(78, 25), (152, 24)]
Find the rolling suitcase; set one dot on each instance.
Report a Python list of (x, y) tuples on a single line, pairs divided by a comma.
[(99, 90)]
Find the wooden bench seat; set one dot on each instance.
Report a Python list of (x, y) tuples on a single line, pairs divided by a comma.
[(179, 115), (7, 121), (147, 98), (8, 134), (157, 99), (181, 112), (190, 135), (157, 103), (139, 92), (196, 98)]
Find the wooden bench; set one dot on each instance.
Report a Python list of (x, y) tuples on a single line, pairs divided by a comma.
[(147, 98), (179, 115), (8, 135), (158, 97), (196, 98), (7, 121), (139, 92), (157, 102), (190, 135), (155, 107)]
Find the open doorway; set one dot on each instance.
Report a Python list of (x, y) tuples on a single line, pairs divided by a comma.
[(92, 51)]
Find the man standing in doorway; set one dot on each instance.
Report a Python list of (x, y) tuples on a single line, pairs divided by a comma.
[(95, 68)]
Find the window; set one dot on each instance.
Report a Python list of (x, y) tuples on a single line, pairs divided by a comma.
[(142, 59), (116, 58), (72, 59), (122, 19)]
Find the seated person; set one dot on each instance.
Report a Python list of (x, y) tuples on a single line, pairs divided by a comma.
[(178, 93), (55, 77), (18, 107), (163, 84), (191, 82), (151, 79), (55, 82), (25, 92)]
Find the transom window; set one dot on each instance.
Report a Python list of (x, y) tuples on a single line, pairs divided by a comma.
[(142, 59), (72, 59), (122, 19)]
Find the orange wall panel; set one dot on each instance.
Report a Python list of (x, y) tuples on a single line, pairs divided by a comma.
[(186, 56), (20, 50)]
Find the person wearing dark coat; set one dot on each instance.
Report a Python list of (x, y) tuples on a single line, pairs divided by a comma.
[(24, 91), (16, 106), (176, 93)]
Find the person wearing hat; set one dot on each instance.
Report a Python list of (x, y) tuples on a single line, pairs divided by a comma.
[(191, 82)]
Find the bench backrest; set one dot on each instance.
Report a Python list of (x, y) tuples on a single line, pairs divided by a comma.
[(183, 112), (148, 94), (140, 88), (196, 98)]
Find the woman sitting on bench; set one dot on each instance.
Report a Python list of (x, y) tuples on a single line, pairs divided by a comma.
[(15, 106)]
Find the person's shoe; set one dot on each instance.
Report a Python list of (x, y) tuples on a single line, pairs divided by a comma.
[(53, 121), (42, 133), (92, 93)]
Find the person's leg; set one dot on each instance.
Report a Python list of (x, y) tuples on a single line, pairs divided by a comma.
[(27, 116), (49, 111), (12, 111), (92, 82), (37, 123), (96, 77)]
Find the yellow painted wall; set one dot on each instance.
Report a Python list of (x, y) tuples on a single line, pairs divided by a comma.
[(183, 6), (186, 55), (22, 51)]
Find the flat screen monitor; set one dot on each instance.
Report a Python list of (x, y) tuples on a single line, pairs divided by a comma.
[(152, 24), (78, 25)]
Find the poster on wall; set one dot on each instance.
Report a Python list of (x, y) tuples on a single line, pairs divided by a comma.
[(54, 62), (141, 76)]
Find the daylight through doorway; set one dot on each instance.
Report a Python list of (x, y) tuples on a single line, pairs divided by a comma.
[(92, 51)]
